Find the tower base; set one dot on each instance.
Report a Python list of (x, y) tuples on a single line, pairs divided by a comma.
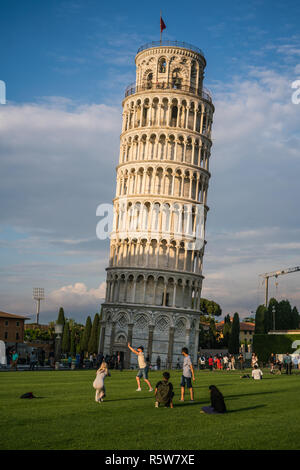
[(162, 331)]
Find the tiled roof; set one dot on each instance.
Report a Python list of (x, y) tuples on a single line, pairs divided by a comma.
[(12, 316), (244, 326)]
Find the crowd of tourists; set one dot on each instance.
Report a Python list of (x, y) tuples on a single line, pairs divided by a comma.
[(221, 362), (163, 390)]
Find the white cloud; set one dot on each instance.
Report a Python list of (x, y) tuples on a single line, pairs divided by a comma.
[(78, 294)]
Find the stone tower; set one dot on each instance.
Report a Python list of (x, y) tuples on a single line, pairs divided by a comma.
[(154, 277)]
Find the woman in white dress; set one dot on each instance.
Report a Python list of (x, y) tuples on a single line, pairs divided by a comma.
[(98, 383)]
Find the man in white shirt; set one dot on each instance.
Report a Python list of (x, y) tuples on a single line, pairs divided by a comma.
[(257, 373), (143, 368)]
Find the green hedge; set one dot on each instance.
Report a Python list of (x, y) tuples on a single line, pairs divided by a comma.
[(264, 345)]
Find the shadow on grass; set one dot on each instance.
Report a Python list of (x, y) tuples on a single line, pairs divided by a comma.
[(133, 398), (241, 395), (245, 409), (189, 403)]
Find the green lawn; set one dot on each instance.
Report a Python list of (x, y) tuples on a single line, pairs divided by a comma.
[(261, 414)]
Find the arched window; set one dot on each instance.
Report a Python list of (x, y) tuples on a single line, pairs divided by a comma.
[(174, 116), (149, 80), (176, 79), (162, 65)]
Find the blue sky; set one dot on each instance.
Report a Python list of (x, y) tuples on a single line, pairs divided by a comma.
[(66, 65)]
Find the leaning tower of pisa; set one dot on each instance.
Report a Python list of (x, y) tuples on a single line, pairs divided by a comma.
[(154, 277)]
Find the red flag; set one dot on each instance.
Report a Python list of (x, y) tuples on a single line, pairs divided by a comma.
[(162, 25)]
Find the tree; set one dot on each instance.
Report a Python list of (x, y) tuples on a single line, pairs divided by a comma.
[(73, 342), (234, 339), (202, 337), (84, 342), (209, 307), (268, 319), (261, 311), (65, 345), (93, 341), (61, 317), (295, 319), (226, 330), (213, 335), (284, 316)]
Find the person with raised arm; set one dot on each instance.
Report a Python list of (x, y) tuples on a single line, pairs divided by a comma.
[(143, 368)]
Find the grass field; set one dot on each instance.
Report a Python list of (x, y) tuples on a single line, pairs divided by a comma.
[(261, 414)]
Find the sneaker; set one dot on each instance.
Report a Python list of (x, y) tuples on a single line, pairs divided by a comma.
[(156, 404), (150, 389), (138, 389)]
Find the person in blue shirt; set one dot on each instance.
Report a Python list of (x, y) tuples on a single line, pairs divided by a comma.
[(288, 364), (14, 362)]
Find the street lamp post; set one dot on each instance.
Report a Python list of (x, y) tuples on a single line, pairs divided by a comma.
[(58, 329), (273, 311), (38, 295)]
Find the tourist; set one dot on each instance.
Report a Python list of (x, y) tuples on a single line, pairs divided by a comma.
[(98, 383), (217, 402), (91, 361), (33, 360), (295, 362), (187, 374), (51, 359), (202, 362), (120, 361), (279, 365), (158, 362), (14, 361), (288, 364), (164, 392), (178, 363), (70, 361), (232, 360), (81, 359), (225, 362), (272, 362), (143, 369), (257, 373), (241, 361), (254, 360), (210, 363)]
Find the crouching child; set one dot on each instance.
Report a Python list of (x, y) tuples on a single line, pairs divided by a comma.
[(164, 392)]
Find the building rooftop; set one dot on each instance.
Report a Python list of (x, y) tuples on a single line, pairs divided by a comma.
[(13, 315), (244, 326), (166, 43)]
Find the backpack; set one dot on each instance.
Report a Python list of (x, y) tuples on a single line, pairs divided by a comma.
[(28, 395), (163, 394)]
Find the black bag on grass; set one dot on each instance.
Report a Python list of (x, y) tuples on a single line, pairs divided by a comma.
[(27, 395)]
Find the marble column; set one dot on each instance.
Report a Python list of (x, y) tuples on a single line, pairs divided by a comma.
[(129, 340), (170, 347), (150, 341), (112, 337)]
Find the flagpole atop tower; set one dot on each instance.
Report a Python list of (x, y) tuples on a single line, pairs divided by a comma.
[(160, 28)]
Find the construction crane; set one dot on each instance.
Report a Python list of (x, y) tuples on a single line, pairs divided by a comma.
[(276, 274)]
